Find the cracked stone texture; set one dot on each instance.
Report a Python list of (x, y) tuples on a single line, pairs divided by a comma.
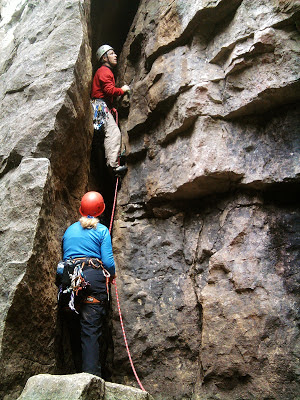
[(205, 236), (45, 135), (209, 298)]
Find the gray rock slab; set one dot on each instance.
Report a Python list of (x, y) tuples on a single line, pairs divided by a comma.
[(45, 137), (78, 387), (63, 387), (21, 197), (215, 283), (114, 391)]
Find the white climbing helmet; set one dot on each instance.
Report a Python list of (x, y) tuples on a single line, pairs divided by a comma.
[(102, 50)]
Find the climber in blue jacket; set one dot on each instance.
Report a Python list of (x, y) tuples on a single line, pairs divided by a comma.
[(89, 242)]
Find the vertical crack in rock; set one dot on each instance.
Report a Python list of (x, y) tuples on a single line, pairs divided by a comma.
[(194, 270), (46, 137)]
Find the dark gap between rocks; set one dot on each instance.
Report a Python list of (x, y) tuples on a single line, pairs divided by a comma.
[(110, 24)]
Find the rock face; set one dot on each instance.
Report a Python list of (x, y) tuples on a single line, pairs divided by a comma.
[(205, 236), (206, 233), (45, 135)]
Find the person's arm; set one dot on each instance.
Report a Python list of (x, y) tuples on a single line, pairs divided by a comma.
[(107, 254)]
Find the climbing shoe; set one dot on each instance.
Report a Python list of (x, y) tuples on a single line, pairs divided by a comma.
[(122, 158), (120, 170)]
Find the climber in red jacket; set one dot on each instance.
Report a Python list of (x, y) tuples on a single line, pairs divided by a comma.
[(103, 94)]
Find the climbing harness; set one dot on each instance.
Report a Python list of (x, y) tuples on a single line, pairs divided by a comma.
[(73, 283), (105, 272), (70, 281), (93, 300)]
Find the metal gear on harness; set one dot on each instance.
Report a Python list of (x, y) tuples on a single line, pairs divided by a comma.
[(100, 113), (73, 279), (71, 283)]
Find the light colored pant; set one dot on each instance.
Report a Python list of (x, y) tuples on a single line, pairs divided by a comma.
[(112, 141)]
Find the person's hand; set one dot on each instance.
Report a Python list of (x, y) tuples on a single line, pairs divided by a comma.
[(112, 279), (125, 88)]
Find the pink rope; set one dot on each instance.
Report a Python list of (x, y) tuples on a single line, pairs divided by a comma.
[(125, 340), (117, 297), (114, 206)]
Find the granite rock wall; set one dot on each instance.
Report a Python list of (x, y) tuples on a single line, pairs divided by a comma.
[(206, 235), (45, 135)]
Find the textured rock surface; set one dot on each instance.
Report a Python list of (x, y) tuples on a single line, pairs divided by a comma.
[(206, 229), (78, 386), (206, 234), (64, 387), (113, 391), (45, 134), (185, 109)]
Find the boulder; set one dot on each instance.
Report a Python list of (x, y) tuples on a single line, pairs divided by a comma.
[(78, 387)]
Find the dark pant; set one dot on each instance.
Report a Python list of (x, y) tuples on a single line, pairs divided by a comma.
[(92, 321), (73, 327)]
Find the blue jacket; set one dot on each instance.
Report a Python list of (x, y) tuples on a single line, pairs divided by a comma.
[(80, 242)]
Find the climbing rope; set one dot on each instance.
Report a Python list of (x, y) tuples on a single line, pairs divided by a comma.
[(114, 283), (117, 297), (114, 206), (125, 340)]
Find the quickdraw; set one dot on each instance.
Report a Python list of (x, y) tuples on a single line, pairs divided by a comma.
[(77, 283), (105, 273)]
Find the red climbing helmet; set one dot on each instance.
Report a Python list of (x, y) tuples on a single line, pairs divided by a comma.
[(92, 204)]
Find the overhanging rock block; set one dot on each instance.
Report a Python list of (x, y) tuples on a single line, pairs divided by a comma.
[(78, 387)]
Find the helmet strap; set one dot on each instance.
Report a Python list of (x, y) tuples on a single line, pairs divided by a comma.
[(106, 62)]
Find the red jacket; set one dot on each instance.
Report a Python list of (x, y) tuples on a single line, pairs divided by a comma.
[(104, 86)]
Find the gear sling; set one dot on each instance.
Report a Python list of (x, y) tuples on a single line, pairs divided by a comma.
[(79, 281)]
